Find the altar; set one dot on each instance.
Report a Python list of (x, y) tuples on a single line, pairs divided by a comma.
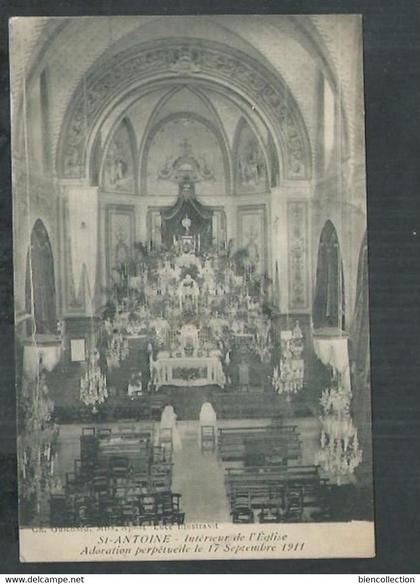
[(193, 301), (191, 371)]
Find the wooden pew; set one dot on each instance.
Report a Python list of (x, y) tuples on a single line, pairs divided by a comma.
[(232, 442), (270, 488)]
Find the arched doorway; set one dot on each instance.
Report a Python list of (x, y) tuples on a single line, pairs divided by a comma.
[(329, 301), (40, 282)]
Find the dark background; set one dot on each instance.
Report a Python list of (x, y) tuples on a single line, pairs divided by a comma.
[(392, 99)]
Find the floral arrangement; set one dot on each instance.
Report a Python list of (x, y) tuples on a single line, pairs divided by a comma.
[(93, 384)]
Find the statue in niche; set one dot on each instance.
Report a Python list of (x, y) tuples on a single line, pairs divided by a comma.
[(251, 165), (121, 254), (118, 167), (188, 293)]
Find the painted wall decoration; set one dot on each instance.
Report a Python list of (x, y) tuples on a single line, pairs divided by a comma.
[(219, 228), (209, 59), (184, 147), (298, 254), (118, 169), (252, 234), (250, 164), (120, 238), (273, 162)]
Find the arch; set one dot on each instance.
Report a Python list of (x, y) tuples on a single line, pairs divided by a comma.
[(329, 297), (176, 60), (40, 294)]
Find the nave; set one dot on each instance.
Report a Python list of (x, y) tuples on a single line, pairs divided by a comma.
[(131, 474), (191, 256)]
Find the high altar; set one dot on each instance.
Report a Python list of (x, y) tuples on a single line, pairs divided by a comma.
[(190, 298)]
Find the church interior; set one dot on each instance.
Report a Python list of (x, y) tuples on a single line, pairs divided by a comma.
[(191, 284)]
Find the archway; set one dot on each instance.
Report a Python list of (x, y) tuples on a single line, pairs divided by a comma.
[(329, 301), (232, 70), (40, 282)]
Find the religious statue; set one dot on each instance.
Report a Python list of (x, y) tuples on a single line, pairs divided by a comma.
[(251, 164), (189, 337), (188, 293), (118, 170)]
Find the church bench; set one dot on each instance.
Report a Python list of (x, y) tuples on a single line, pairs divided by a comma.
[(136, 447), (294, 489), (270, 449), (160, 508), (257, 429), (160, 476), (232, 442), (269, 477), (270, 473), (245, 404), (120, 506), (260, 500)]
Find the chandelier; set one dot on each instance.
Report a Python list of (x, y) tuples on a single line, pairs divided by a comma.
[(262, 342), (288, 376), (93, 385), (118, 350), (339, 453)]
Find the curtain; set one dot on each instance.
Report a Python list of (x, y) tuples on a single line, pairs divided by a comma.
[(360, 327), (40, 284), (328, 309), (201, 222)]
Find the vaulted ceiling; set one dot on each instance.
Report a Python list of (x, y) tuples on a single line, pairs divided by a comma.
[(297, 51)]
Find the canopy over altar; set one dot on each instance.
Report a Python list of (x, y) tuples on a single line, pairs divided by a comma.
[(188, 219)]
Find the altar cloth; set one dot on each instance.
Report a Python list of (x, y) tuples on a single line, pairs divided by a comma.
[(187, 371)]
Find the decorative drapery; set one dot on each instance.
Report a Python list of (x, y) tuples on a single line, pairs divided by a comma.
[(360, 326), (334, 352), (329, 303), (200, 218), (35, 352), (40, 284)]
